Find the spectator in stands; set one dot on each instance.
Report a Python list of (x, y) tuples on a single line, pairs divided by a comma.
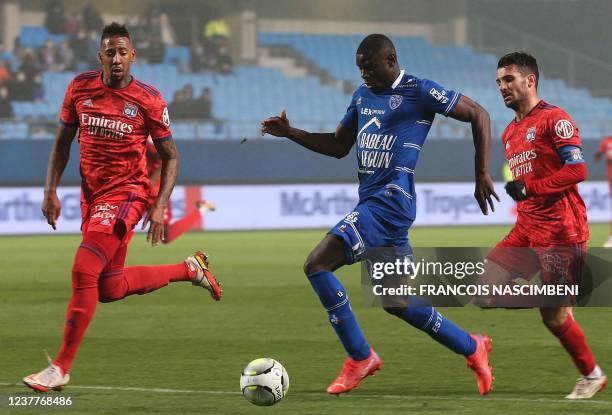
[(216, 39), (216, 29), (178, 107), (183, 105), (5, 72), (66, 57), (6, 110), (92, 20), (157, 50), (147, 37), (38, 89), (82, 45), (30, 64), (154, 22), (78, 43), (199, 57), (19, 88), (138, 31), (188, 101), (73, 24), (142, 38), (203, 106), (55, 19), (224, 60), (47, 56)]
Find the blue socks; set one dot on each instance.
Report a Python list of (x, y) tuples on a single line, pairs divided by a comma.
[(424, 317), (335, 300), (418, 314)]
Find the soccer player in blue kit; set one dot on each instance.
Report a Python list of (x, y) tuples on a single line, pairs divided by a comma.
[(389, 117)]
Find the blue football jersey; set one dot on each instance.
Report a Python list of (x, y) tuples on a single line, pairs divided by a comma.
[(391, 127)]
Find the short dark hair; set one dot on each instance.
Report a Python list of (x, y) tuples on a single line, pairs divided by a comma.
[(525, 63), (373, 43), (114, 29)]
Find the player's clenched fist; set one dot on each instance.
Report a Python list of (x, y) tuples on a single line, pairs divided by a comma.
[(277, 126), (516, 190)]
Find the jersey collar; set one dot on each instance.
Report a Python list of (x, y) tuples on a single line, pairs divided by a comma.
[(398, 80), (531, 111)]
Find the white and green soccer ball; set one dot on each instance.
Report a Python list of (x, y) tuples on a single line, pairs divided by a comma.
[(264, 382)]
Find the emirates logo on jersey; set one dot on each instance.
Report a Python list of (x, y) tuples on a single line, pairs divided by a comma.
[(104, 127), (564, 129), (520, 164)]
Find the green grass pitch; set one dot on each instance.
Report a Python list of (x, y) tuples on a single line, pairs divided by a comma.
[(175, 351)]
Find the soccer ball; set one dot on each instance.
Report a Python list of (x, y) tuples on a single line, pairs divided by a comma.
[(264, 382)]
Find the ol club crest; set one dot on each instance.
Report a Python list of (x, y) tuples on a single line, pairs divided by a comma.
[(130, 110), (531, 134)]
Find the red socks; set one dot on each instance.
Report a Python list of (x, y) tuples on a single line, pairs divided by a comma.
[(117, 284), (182, 225), (88, 264), (573, 340), (93, 281)]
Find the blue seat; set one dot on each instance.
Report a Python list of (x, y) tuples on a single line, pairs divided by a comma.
[(10, 130), (33, 36)]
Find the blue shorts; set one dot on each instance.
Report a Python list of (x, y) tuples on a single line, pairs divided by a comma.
[(364, 229)]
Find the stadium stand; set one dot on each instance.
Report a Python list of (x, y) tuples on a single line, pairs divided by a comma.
[(454, 66), (250, 93)]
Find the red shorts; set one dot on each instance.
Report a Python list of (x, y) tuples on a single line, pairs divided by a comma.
[(558, 264), (107, 211)]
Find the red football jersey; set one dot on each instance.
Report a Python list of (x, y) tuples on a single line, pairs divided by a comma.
[(154, 164), (113, 128), (605, 148), (531, 149)]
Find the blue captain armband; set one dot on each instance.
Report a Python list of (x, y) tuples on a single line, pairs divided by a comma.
[(571, 154)]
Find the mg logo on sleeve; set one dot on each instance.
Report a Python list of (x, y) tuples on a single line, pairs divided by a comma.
[(564, 129)]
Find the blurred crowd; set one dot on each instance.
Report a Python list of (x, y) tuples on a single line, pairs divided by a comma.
[(75, 39), (211, 51), (185, 106)]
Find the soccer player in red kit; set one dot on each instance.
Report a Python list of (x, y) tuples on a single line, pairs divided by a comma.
[(605, 151), (172, 230), (114, 114), (544, 153)]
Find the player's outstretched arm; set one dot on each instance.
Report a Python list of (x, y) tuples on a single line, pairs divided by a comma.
[(169, 171), (58, 159), (336, 144), (468, 110)]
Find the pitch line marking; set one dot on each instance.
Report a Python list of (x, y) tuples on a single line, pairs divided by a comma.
[(399, 397)]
